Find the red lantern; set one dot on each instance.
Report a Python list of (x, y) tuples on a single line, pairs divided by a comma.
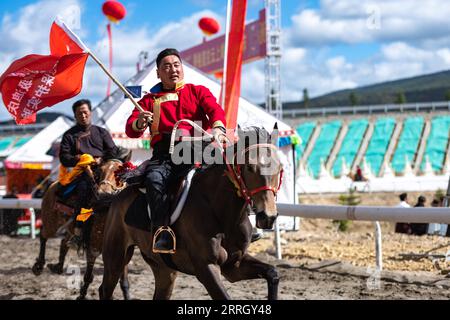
[(209, 26), (114, 10)]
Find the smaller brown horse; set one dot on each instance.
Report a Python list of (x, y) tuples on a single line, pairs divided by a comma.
[(213, 231), (53, 219)]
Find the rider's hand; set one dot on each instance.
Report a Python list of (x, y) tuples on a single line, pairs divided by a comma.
[(219, 135), (144, 119)]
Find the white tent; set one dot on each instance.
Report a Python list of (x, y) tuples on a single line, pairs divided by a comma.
[(33, 154)]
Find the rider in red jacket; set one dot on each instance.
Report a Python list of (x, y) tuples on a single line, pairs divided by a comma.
[(169, 101)]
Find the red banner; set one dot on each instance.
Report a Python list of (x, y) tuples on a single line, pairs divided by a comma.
[(208, 56), (234, 62), (37, 81)]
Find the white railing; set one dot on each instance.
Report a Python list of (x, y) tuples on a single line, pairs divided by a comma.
[(370, 109), (30, 204), (363, 213)]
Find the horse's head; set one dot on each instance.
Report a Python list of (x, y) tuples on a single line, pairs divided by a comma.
[(106, 180), (261, 171)]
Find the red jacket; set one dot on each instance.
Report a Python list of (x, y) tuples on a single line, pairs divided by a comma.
[(187, 101)]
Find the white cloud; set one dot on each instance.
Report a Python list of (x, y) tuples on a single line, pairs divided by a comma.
[(413, 38), (23, 33), (350, 21)]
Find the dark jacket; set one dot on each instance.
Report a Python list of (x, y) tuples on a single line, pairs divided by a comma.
[(93, 140), (419, 228)]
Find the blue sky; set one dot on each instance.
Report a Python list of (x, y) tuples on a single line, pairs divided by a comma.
[(328, 45)]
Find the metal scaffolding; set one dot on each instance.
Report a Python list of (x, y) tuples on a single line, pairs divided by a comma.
[(273, 58)]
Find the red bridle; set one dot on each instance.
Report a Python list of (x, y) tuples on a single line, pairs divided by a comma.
[(238, 180)]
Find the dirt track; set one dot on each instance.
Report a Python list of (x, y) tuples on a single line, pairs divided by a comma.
[(338, 281)]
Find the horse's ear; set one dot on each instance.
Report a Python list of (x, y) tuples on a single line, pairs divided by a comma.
[(274, 134), (240, 132)]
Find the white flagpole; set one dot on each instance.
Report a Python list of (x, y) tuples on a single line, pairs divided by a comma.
[(121, 87), (225, 58)]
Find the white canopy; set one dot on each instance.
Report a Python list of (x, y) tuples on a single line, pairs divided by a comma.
[(34, 151)]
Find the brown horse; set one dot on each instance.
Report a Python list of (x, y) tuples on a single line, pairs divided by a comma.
[(53, 219), (213, 231)]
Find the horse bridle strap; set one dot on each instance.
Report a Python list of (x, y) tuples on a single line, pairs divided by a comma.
[(237, 179)]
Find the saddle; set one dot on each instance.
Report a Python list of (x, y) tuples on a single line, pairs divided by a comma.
[(63, 195), (138, 214)]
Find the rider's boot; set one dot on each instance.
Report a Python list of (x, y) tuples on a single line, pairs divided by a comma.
[(164, 237)]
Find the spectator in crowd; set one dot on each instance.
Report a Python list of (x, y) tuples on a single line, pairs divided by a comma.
[(403, 201), (435, 228), (419, 228), (435, 203), (403, 227), (358, 174), (420, 202)]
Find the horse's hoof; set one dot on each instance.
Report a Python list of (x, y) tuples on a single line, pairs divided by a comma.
[(56, 268), (37, 268), (127, 297)]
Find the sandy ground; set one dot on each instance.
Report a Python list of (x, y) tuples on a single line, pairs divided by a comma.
[(318, 262), (314, 266)]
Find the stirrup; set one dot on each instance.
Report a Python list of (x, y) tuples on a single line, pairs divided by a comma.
[(171, 233)]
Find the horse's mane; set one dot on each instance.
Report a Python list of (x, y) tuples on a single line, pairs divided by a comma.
[(250, 135), (260, 134)]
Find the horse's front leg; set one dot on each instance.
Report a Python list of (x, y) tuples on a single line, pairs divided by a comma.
[(251, 268), (209, 275), (40, 261), (59, 267)]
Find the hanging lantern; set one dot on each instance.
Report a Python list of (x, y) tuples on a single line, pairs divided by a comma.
[(114, 10), (209, 26)]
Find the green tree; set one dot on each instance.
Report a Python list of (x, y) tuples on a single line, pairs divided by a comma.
[(305, 98), (401, 98), (439, 195), (349, 199), (353, 99), (447, 95)]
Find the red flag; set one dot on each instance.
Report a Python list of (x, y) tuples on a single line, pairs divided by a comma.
[(37, 81), (63, 41), (234, 62)]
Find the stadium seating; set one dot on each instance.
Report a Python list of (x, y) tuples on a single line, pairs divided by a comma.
[(323, 145), (350, 145), (305, 131), (408, 143), (406, 148), (437, 143)]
